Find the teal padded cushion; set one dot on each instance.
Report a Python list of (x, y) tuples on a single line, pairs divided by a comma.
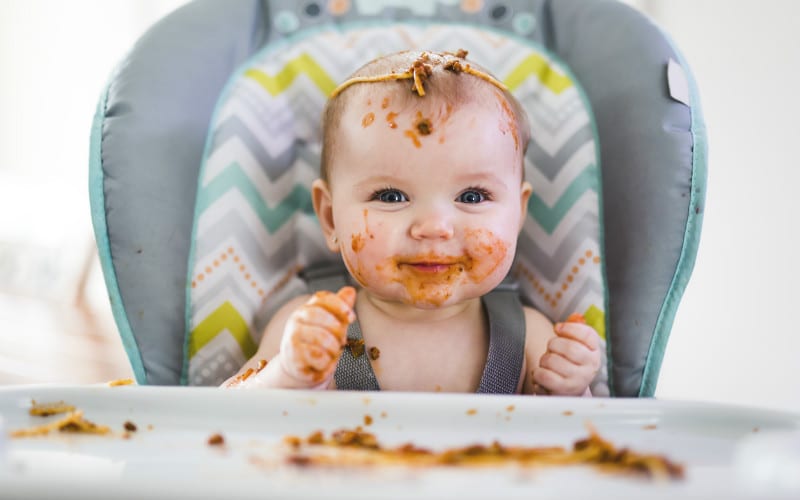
[(147, 144)]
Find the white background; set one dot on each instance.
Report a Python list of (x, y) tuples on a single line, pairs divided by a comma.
[(735, 337)]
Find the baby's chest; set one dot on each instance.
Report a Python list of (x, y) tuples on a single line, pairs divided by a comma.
[(430, 364)]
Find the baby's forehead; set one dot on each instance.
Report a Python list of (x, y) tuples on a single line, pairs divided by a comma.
[(399, 96)]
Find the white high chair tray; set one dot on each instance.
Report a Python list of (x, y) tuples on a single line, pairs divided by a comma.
[(728, 452)]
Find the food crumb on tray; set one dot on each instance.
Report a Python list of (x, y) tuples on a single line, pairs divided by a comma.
[(216, 440), (47, 409), (73, 422), (120, 381)]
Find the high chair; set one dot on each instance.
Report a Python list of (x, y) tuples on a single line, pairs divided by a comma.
[(207, 137)]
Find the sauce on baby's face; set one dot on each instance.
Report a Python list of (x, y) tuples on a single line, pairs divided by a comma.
[(430, 279), (422, 125)]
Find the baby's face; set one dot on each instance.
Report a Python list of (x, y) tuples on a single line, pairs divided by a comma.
[(427, 200)]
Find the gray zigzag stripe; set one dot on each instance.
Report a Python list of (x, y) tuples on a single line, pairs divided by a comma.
[(551, 166), (551, 267), (232, 225), (211, 293), (551, 115), (589, 286), (274, 167), (273, 116), (295, 102), (552, 118), (309, 157)]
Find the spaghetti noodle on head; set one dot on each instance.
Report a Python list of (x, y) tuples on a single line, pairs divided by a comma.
[(432, 80)]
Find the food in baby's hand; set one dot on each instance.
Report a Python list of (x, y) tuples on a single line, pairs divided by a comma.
[(575, 318)]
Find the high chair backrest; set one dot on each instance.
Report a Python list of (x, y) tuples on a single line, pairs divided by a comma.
[(207, 138)]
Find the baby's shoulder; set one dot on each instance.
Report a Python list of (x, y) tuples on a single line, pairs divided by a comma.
[(536, 320), (538, 330), (293, 303)]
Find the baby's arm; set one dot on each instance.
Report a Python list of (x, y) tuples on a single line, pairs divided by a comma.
[(561, 359), (309, 334)]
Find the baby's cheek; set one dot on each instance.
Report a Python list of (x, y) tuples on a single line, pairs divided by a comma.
[(358, 256), (486, 252)]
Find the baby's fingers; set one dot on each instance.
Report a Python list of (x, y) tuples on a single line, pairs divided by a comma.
[(315, 316), (310, 352), (547, 382), (572, 351), (550, 381), (318, 336), (339, 304), (348, 295), (314, 359), (582, 333), (559, 365)]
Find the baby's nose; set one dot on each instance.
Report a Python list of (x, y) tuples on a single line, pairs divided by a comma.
[(432, 224)]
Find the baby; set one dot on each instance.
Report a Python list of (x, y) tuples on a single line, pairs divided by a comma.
[(422, 193)]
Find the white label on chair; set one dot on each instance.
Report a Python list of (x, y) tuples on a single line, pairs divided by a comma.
[(677, 82)]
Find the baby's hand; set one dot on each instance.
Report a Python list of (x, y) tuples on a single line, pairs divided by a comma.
[(571, 361), (314, 336)]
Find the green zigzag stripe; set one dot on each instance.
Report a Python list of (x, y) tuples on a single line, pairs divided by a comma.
[(284, 78), (541, 68), (548, 217), (233, 177), (225, 317)]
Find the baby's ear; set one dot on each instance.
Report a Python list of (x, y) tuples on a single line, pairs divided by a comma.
[(323, 206), (524, 197)]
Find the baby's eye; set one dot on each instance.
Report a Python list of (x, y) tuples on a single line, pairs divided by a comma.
[(473, 195), (389, 196)]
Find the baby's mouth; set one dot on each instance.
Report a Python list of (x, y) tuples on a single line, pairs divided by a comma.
[(432, 266)]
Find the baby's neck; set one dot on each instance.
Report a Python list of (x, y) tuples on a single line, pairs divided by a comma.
[(410, 314)]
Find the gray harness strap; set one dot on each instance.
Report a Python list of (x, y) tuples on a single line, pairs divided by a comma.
[(354, 373), (506, 319), (506, 341)]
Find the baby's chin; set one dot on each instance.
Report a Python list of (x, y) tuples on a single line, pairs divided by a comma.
[(430, 300)]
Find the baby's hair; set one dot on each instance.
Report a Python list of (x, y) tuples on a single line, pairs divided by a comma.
[(411, 75)]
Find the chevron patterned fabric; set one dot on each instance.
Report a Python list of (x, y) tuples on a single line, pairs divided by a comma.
[(254, 224)]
